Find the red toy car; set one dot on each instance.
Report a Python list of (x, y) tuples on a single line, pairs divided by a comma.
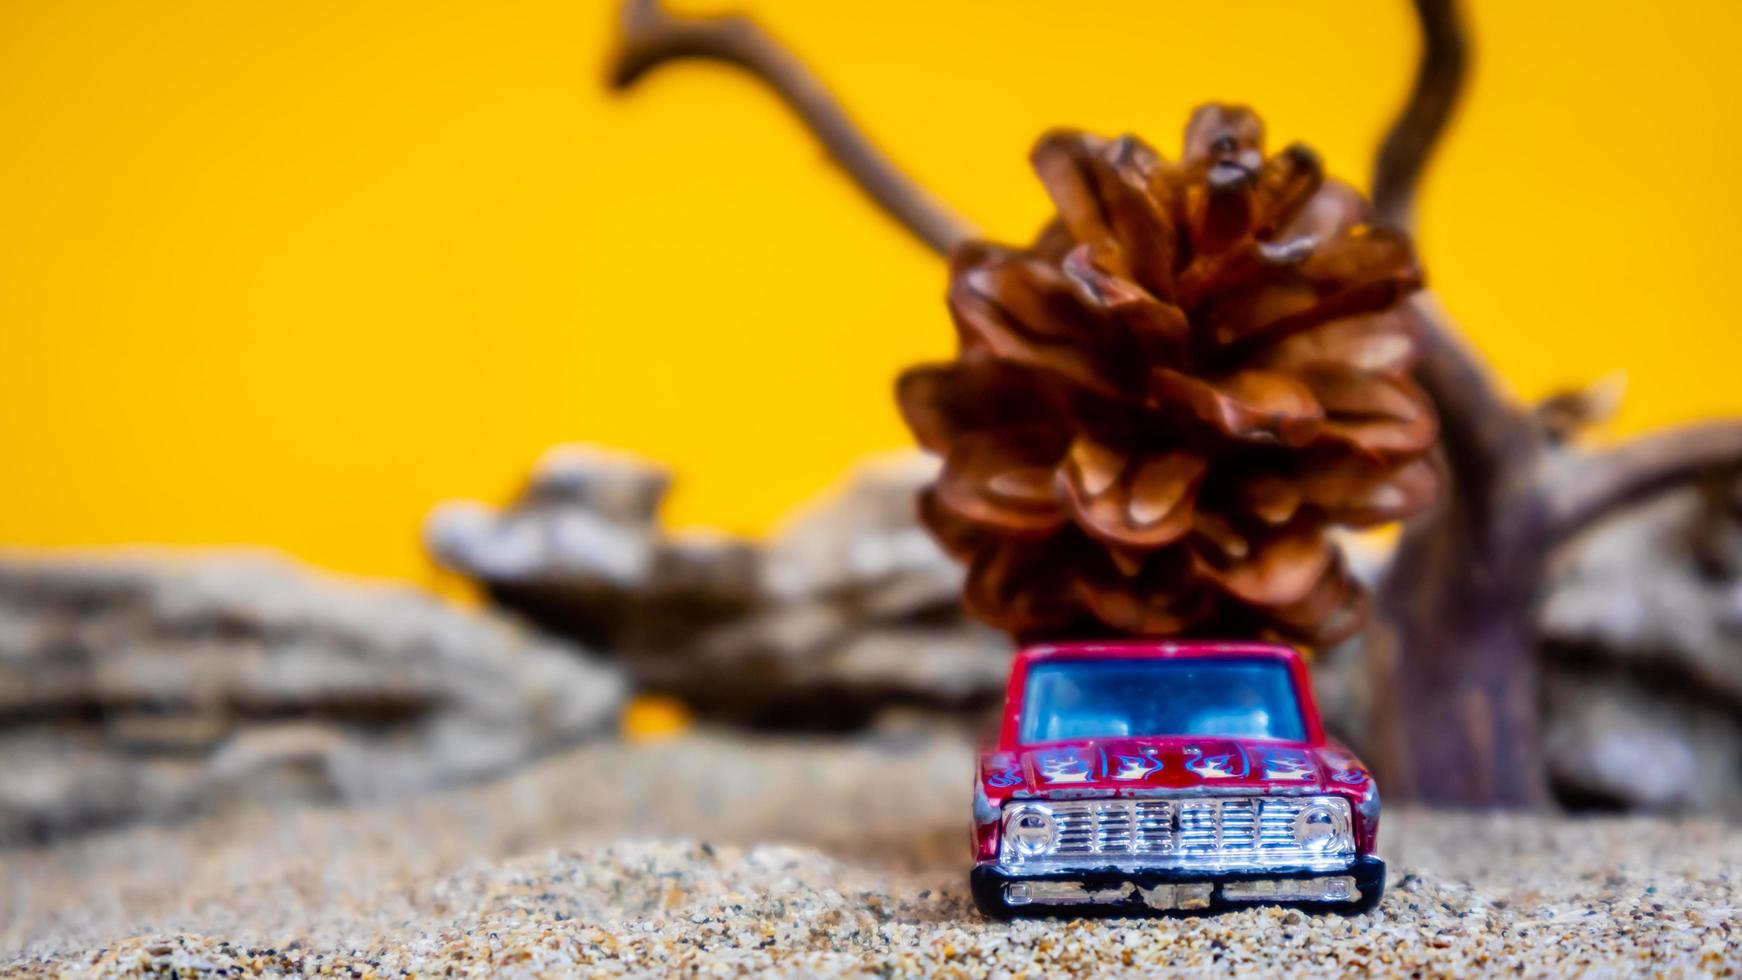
[(1157, 777)]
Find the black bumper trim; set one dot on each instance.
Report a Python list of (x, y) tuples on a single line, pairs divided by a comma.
[(987, 882)]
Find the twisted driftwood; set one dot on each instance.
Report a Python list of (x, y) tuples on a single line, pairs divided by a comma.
[(1450, 652)]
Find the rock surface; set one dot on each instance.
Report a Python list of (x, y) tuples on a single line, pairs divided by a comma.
[(149, 686), (847, 611), (851, 612), (1643, 657), (725, 856)]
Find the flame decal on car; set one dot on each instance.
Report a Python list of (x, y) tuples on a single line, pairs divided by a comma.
[(1002, 771), (1063, 766), (1349, 777), (1137, 766), (1219, 766), (1287, 764)]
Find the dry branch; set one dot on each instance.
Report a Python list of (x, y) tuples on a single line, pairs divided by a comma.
[(1453, 658), (1582, 488), (651, 37), (1478, 423), (1438, 82)]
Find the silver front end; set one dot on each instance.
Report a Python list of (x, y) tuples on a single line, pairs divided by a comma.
[(1235, 833)]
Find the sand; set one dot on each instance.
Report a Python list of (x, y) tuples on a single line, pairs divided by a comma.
[(721, 855)]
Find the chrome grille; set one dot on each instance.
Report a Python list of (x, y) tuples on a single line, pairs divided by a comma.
[(1130, 827), (1154, 826), (1206, 832), (1239, 825)]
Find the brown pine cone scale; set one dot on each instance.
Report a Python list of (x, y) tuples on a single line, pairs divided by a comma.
[(1159, 409)]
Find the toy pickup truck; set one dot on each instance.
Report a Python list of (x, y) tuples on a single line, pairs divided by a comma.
[(1167, 777)]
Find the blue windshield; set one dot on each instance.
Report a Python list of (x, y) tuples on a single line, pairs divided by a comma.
[(1071, 699)]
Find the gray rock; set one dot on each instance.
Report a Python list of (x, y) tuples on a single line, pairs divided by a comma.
[(709, 566), (1643, 656), (1611, 742), (953, 665), (585, 519), (1651, 588), (849, 608), (864, 539), (620, 487), (148, 686)]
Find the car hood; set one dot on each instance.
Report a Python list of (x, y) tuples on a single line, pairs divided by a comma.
[(1169, 764)]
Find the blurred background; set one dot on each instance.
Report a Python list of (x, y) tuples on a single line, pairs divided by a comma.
[(289, 274), (386, 406)]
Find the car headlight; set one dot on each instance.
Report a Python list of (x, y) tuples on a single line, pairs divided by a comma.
[(1030, 830), (1322, 824)]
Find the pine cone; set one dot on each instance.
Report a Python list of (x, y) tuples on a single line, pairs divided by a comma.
[(1159, 408)]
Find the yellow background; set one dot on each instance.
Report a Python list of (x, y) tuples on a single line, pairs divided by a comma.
[(291, 272)]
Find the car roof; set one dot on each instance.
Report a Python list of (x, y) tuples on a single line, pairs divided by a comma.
[(1159, 649)]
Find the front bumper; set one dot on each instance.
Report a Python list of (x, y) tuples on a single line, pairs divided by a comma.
[(1127, 892)]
